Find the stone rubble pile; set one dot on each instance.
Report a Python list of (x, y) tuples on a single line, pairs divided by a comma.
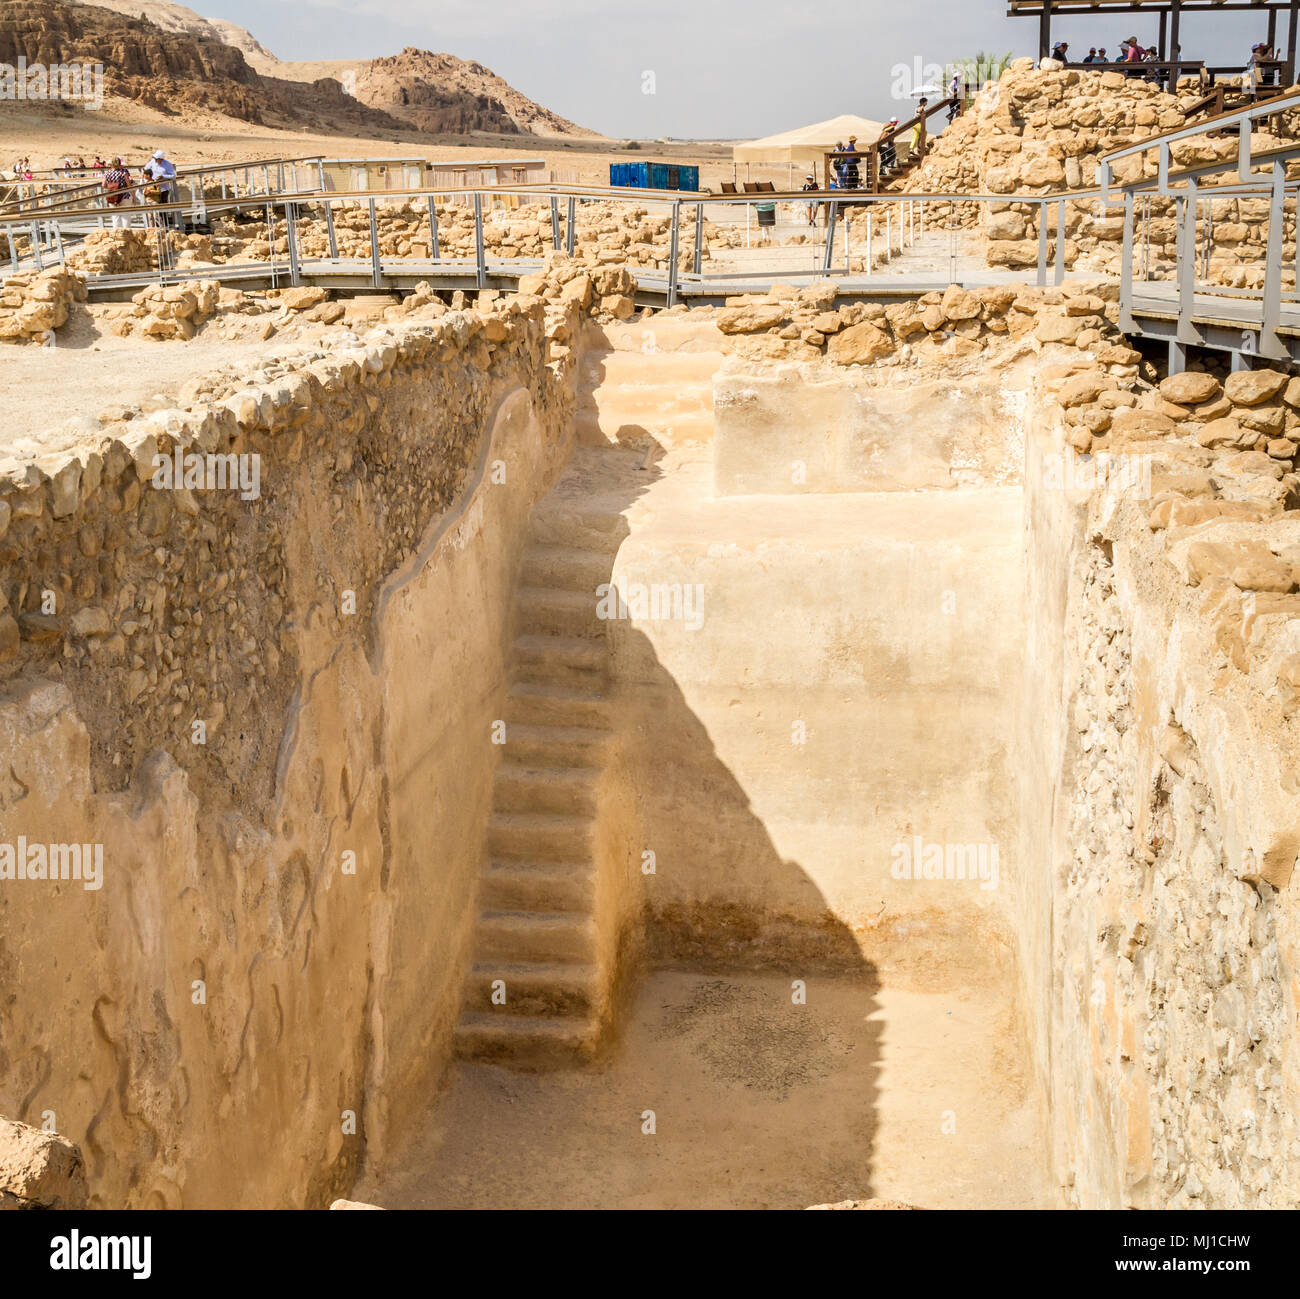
[(175, 311), (39, 1169), (34, 304), (1043, 130)]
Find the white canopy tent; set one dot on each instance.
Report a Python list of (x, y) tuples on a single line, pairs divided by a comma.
[(806, 145)]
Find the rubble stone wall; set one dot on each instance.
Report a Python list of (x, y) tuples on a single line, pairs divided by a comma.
[(1166, 669), (260, 708)]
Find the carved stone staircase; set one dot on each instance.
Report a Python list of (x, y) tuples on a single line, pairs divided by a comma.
[(545, 945), (537, 943)]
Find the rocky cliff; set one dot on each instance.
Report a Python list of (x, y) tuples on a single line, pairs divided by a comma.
[(174, 71)]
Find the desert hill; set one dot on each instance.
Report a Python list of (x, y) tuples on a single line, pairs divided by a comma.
[(179, 20), (174, 71), (432, 93)]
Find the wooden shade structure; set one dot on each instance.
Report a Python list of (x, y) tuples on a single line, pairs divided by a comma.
[(1169, 12)]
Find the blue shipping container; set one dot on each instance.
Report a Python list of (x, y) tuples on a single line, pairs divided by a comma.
[(653, 175)]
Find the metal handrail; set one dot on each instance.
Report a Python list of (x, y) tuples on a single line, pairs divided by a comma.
[(1242, 118), (96, 189)]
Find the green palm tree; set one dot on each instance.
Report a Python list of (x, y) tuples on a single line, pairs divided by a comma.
[(983, 67)]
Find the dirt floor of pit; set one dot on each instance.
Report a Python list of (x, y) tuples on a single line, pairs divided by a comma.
[(758, 1103)]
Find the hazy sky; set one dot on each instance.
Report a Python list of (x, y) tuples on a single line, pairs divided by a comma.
[(722, 68)]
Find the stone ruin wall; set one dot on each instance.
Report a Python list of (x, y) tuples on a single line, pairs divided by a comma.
[(1044, 131), (223, 992), (1170, 955)]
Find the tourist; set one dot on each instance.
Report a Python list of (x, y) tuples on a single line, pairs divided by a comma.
[(1152, 56), (1060, 51), (1272, 73), (1092, 55), (1134, 54), (852, 173), (117, 193), (162, 170), (888, 151), (1253, 70), (954, 94), (918, 131), (1101, 55), (810, 186)]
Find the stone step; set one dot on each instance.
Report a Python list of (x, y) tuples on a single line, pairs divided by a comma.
[(542, 886), (555, 611), (523, 788), (655, 402), (640, 368), (547, 936), (565, 567), (642, 427), (540, 836), (579, 525), (670, 334), (526, 1041), (542, 705), (533, 988), (568, 660), (533, 745)]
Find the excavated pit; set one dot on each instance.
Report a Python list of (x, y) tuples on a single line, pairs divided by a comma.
[(710, 789), (778, 742)]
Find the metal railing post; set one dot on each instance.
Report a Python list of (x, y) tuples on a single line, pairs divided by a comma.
[(870, 259), (1187, 264), (290, 216), (555, 223), (1243, 151), (1042, 244), (1269, 343), (698, 264), (433, 228), (1060, 242), (330, 232), (672, 253), (1126, 267), (376, 271), (36, 245), (571, 227), (480, 254), (832, 216)]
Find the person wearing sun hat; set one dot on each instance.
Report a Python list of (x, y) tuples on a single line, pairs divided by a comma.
[(810, 186)]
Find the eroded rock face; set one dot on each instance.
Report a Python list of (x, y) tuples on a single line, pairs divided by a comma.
[(168, 70)]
